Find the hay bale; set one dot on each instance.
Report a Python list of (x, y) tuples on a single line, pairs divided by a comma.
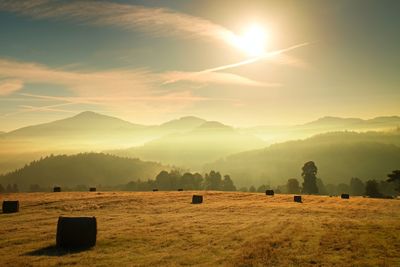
[(297, 199), (57, 189), (76, 232), (92, 189), (197, 199), (269, 192), (155, 190), (10, 206), (345, 196), (180, 189)]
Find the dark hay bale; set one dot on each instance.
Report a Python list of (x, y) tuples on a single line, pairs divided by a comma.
[(269, 192), (76, 232), (155, 190), (57, 189), (345, 196), (297, 199), (10, 206), (180, 189), (92, 189), (197, 199)]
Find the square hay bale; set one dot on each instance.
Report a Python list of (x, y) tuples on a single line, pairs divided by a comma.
[(297, 199), (10, 206), (155, 190), (76, 232), (92, 189), (57, 189), (180, 189), (345, 196), (197, 199), (269, 192)]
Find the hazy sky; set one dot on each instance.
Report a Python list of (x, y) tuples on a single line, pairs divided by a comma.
[(151, 61)]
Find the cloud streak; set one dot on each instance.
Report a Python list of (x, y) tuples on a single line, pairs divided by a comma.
[(7, 87), (156, 21)]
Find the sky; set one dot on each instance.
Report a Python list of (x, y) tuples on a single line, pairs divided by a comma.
[(151, 61)]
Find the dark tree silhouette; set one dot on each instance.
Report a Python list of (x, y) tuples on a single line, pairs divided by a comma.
[(213, 181), (252, 189), (394, 177), (372, 189), (227, 184), (1, 189), (357, 187), (310, 179), (293, 186)]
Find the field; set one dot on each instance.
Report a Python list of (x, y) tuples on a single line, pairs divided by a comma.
[(229, 229)]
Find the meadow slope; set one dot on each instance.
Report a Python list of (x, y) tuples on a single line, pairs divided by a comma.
[(229, 229)]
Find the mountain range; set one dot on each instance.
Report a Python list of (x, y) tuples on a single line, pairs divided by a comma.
[(187, 142)]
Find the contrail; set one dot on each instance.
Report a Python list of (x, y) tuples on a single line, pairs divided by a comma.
[(245, 62)]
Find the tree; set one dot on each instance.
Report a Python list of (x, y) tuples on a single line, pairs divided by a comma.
[(293, 186), (227, 184), (357, 187), (394, 177), (309, 172), (372, 189), (1, 189), (252, 189), (213, 181)]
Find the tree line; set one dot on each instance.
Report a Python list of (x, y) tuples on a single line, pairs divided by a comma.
[(356, 187), (174, 180)]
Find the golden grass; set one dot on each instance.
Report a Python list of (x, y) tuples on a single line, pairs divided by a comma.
[(229, 229)]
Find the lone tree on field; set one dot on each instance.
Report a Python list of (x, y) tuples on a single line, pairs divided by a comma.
[(310, 178), (394, 177)]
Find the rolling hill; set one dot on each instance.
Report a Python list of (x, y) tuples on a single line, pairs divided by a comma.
[(206, 143), (274, 134), (89, 169), (339, 156)]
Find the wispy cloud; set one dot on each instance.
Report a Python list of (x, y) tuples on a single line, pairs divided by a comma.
[(214, 78), (8, 87), (156, 21)]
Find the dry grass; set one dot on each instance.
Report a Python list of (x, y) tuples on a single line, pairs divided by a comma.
[(231, 229)]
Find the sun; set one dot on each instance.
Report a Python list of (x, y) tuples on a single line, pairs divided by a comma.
[(252, 41)]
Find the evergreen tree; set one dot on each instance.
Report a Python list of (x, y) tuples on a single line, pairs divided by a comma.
[(1, 189), (309, 172), (227, 184), (252, 189), (213, 181)]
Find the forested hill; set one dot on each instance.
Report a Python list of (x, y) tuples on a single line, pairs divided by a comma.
[(339, 156), (82, 169)]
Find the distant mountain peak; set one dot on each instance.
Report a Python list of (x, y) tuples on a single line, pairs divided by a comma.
[(188, 122), (211, 125)]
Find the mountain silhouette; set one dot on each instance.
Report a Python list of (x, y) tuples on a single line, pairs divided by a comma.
[(205, 143)]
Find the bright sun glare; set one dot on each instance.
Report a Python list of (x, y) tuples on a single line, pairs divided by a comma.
[(252, 41)]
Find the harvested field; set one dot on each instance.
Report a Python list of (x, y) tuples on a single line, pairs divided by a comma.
[(230, 229)]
